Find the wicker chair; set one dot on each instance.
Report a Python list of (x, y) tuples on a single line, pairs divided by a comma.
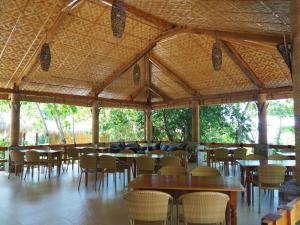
[(72, 155), (204, 207), (183, 155), (278, 157), (33, 159), (123, 162), (255, 157), (88, 150), (108, 164), (16, 160), (170, 161), (88, 164), (150, 207), (269, 177), (239, 154), (173, 170), (145, 165), (205, 171), (221, 156)]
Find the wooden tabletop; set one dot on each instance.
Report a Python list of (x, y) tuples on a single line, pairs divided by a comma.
[(42, 151), (124, 155), (186, 183), (289, 154), (213, 149), (255, 163)]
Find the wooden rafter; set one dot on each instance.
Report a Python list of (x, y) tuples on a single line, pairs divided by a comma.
[(159, 92), (240, 62), (48, 37), (148, 77), (140, 14), (136, 92), (172, 75)]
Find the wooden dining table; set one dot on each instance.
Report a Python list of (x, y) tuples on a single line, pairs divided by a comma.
[(248, 166), (175, 185), (51, 154), (98, 149), (129, 159), (291, 155)]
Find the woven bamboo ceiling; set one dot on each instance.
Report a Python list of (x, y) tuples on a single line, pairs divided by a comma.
[(170, 39)]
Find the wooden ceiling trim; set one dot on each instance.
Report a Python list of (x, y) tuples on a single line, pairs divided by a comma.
[(136, 93), (159, 92), (172, 75), (241, 63), (33, 62), (140, 14)]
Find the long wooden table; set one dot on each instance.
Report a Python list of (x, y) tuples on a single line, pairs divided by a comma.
[(248, 166), (51, 154), (185, 184), (129, 158), (291, 155)]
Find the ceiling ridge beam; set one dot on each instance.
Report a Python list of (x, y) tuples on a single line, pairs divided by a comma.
[(242, 64), (32, 63), (172, 75), (143, 15)]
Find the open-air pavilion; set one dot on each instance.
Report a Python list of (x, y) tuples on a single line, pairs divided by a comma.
[(168, 56)]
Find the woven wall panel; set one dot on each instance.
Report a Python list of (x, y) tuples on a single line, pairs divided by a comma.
[(190, 56), (267, 65), (231, 15)]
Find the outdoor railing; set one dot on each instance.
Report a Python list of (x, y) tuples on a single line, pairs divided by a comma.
[(286, 215)]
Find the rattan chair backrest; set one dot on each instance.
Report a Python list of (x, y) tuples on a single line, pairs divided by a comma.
[(145, 164), (240, 154), (182, 154), (88, 162), (16, 156), (221, 153), (271, 174), (89, 150), (205, 171), (170, 161), (108, 162), (204, 207), (32, 156), (72, 152), (149, 206), (173, 170), (158, 152), (127, 151), (278, 157), (255, 157)]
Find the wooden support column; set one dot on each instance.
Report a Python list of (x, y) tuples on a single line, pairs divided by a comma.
[(95, 123), (295, 19), (15, 120), (195, 122), (148, 124)]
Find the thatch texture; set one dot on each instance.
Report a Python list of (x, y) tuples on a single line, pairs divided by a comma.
[(87, 60)]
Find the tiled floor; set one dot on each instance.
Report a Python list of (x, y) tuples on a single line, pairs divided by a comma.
[(58, 202)]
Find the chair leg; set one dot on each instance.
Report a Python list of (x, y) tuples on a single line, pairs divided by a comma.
[(32, 168), (27, 170), (252, 193), (124, 178), (96, 181), (38, 172), (115, 181), (79, 180), (107, 179)]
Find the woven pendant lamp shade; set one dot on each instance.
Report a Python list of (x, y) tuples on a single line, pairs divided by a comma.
[(118, 18), (286, 51), (45, 57), (217, 55), (136, 74)]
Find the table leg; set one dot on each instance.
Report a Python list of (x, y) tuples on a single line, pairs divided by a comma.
[(233, 208), (128, 169), (59, 163), (248, 186), (242, 177), (134, 168), (49, 168)]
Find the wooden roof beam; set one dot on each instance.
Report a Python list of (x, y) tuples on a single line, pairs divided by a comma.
[(136, 92), (172, 75), (242, 64), (159, 92), (142, 15), (33, 62)]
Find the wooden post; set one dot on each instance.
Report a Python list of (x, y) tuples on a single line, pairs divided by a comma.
[(295, 19), (262, 119), (148, 124), (195, 122), (15, 120), (95, 123)]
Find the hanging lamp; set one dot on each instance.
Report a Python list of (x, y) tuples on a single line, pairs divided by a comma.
[(118, 18), (217, 55), (136, 74), (45, 57)]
